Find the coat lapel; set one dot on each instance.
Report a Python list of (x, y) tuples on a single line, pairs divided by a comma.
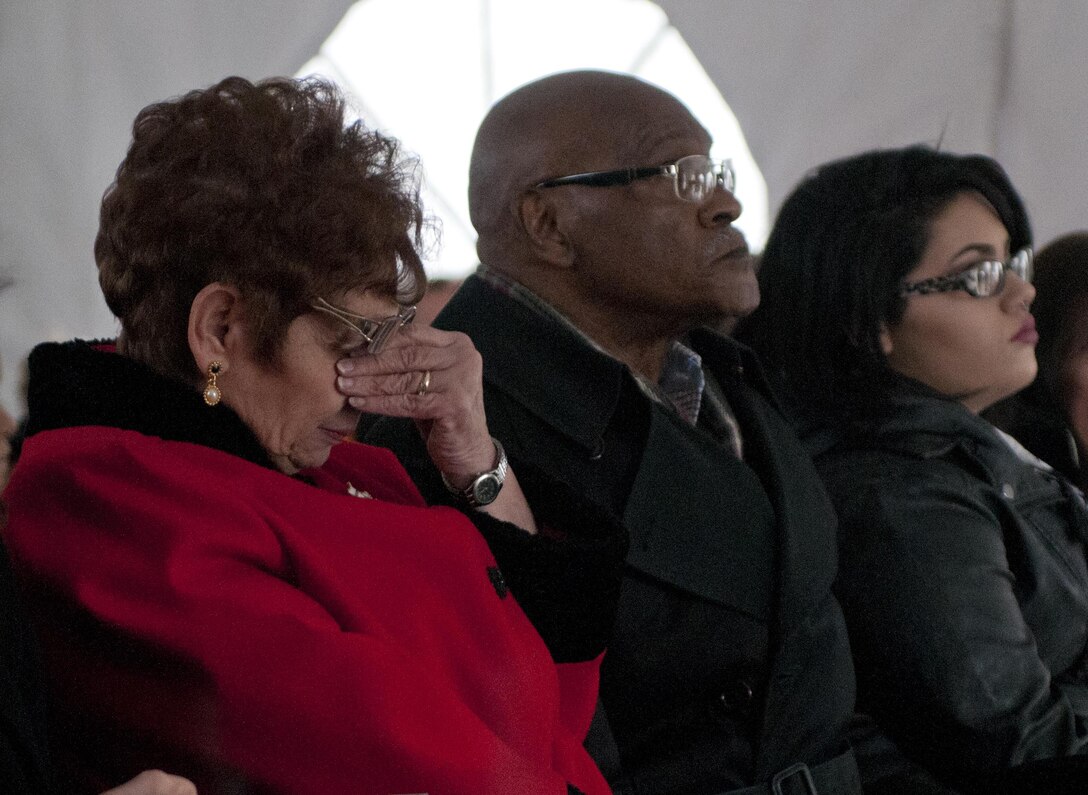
[(699, 520)]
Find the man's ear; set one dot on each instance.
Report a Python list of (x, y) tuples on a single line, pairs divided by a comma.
[(540, 218), (886, 339), (215, 325)]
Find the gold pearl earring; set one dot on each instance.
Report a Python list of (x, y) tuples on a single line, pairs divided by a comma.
[(212, 395)]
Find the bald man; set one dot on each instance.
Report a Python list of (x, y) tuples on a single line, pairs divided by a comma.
[(607, 241)]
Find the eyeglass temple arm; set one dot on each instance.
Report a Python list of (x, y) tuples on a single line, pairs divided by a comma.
[(931, 285), (321, 305), (604, 179)]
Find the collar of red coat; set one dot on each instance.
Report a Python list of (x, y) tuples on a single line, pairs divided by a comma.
[(82, 383)]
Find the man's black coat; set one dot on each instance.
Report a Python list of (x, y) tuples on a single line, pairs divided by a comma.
[(729, 660)]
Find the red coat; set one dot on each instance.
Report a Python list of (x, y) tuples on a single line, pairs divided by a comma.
[(253, 629)]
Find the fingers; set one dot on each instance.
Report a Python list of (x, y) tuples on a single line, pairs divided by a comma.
[(155, 782), (424, 375), (415, 349), (363, 387), (436, 378)]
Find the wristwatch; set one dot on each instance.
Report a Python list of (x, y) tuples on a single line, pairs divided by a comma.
[(485, 487)]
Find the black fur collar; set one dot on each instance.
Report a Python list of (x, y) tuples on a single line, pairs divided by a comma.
[(87, 383)]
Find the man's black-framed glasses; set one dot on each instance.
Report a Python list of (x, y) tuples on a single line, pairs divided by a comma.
[(693, 177), (374, 333), (981, 280)]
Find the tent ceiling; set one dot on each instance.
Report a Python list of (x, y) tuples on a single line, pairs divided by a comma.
[(807, 81)]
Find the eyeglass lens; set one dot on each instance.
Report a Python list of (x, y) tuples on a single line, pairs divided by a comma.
[(989, 277), (375, 333), (1022, 264), (698, 175)]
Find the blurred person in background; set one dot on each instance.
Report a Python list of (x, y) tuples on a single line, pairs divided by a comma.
[(1050, 417)]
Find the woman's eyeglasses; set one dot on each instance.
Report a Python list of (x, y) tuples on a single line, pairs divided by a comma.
[(375, 333), (693, 177), (981, 280)]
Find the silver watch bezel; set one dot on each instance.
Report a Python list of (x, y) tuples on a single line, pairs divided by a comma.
[(497, 476), (488, 481)]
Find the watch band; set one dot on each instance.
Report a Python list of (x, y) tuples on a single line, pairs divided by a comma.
[(484, 487)]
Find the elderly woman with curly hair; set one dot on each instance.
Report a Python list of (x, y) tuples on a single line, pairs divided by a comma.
[(227, 588)]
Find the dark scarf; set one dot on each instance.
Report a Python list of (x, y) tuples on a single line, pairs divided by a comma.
[(87, 383)]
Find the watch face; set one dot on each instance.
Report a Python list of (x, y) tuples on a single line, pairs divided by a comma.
[(486, 489)]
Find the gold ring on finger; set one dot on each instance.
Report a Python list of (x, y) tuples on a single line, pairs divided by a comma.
[(424, 383)]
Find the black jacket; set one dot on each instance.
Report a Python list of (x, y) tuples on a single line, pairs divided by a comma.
[(729, 660), (965, 587)]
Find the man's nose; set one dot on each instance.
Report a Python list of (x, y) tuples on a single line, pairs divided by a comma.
[(720, 208)]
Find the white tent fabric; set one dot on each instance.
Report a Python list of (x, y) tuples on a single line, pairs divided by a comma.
[(807, 82), (486, 49), (1007, 78)]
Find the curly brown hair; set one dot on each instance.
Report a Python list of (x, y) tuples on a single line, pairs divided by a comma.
[(261, 186)]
